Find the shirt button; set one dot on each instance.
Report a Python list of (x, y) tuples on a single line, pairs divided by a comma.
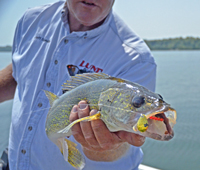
[(39, 104), (56, 62), (23, 151), (30, 128), (85, 37), (66, 41), (48, 84)]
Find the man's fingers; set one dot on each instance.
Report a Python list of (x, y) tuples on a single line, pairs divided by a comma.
[(74, 114), (86, 126), (76, 129), (95, 134), (105, 138), (131, 138)]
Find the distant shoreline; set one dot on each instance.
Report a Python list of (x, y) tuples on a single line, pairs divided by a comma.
[(7, 48), (180, 44), (170, 44)]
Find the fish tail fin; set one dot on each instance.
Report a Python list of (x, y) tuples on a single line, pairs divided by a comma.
[(71, 153), (84, 119)]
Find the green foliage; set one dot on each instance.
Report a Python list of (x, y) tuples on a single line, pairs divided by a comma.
[(6, 49), (188, 43)]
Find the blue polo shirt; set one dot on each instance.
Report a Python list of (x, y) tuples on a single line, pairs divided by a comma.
[(45, 55)]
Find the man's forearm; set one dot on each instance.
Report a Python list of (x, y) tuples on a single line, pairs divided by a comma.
[(108, 155), (7, 84)]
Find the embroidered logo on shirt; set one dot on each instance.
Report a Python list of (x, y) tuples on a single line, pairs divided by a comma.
[(91, 67), (42, 39), (73, 70)]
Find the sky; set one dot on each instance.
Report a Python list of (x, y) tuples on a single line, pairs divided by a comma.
[(151, 19)]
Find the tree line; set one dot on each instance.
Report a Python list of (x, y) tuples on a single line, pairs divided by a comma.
[(6, 49), (188, 43)]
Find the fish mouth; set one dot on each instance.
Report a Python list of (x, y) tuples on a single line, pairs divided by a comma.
[(160, 124)]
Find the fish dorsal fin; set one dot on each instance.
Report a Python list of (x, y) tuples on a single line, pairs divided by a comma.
[(51, 96), (80, 79)]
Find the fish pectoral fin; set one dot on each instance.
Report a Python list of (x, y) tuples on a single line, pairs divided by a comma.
[(71, 154), (84, 119)]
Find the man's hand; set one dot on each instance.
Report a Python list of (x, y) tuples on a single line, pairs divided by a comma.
[(98, 142)]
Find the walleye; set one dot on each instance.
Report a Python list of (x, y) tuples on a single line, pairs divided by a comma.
[(121, 104)]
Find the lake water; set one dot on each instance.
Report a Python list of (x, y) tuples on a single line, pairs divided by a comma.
[(178, 80)]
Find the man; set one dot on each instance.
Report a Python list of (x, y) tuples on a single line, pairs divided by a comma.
[(52, 42)]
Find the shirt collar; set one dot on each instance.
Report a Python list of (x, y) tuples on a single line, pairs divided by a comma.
[(87, 34)]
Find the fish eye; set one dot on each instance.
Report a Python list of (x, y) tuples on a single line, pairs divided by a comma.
[(160, 96), (138, 101)]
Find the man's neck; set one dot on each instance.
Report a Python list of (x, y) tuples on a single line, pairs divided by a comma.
[(75, 25)]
